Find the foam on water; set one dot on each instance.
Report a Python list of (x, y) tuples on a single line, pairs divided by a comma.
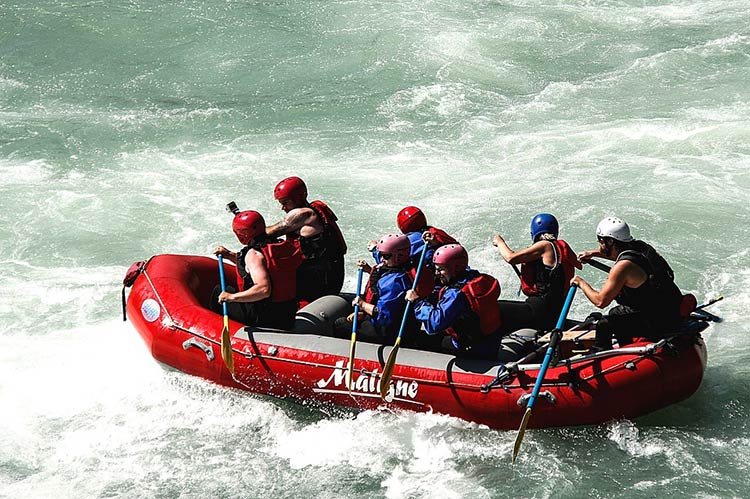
[(124, 133)]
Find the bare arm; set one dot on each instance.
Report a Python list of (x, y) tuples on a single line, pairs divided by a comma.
[(255, 264), (585, 256), (293, 221), (225, 253), (622, 273), (530, 254)]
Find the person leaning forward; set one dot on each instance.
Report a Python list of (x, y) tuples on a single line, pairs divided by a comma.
[(313, 226), (266, 276), (465, 309), (641, 282)]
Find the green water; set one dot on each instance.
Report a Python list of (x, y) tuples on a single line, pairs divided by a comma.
[(126, 126)]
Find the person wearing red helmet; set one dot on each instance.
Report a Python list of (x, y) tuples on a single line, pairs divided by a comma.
[(547, 266), (312, 225), (412, 222), (383, 305), (266, 276), (465, 309)]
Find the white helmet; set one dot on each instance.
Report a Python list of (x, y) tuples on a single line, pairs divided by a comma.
[(615, 228)]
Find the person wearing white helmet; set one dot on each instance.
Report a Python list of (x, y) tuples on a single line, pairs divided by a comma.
[(641, 282)]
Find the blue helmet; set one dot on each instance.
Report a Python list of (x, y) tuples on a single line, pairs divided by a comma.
[(544, 223)]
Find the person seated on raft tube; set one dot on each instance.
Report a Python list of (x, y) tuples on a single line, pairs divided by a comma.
[(412, 222), (642, 283), (547, 266), (465, 309), (383, 306), (266, 276), (312, 225)]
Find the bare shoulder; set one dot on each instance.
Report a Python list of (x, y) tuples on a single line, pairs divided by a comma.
[(255, 257), (628, 272), (299, 217)]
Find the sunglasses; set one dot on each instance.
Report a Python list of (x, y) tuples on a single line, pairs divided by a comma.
[(386, 256)]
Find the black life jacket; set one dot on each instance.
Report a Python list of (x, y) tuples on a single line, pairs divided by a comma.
[(658, 298), (329, 243)]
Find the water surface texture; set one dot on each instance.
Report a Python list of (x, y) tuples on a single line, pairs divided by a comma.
[(125, 127)]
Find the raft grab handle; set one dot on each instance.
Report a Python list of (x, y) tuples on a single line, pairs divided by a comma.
[(524, 399), (192, 342)]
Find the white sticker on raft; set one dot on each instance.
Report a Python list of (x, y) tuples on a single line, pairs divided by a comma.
[(150, 310)]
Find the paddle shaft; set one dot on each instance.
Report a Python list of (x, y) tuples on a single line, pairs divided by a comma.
[(555, 335), (350, 369), (226, 343), (223, 288), (413, 287), (518, 273), (356, 307), (599, 265), (385, 379), (710, 302), (554, 339)]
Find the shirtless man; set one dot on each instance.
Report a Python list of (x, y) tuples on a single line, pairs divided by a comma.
[(313, 226)]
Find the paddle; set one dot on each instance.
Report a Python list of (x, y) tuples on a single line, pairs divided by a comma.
[(710, 302), (555, 335), (385, 378), (599, 265), (349, 373), (699, 313), (226, 345), (518, 273)]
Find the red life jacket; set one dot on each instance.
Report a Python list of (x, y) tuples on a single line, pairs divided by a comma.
[(536, 278), (441, 236), (482, 293), (282, 260), (331, 228)]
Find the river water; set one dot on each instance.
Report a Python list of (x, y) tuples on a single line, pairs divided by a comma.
[(125, 127)]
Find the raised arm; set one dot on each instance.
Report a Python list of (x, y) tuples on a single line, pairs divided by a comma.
[(293, 221)]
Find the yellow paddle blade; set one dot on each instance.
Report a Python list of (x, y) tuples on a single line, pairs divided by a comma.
[(385, 378), (350, 369), (521, 431), (226, 349)]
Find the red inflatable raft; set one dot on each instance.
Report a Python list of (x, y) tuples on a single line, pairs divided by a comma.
[(168, 305)]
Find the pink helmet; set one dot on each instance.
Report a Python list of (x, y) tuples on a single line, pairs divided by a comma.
[(397, 245), (453, 257), (247, 225), (293, 188), (410, 219)]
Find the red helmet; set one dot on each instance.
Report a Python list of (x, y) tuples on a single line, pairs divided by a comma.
[(411, 219), (453, 257), (397, 245), (291, 188), (247, 225)]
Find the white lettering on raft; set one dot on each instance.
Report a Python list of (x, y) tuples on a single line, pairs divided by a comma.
[(366, 384)]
